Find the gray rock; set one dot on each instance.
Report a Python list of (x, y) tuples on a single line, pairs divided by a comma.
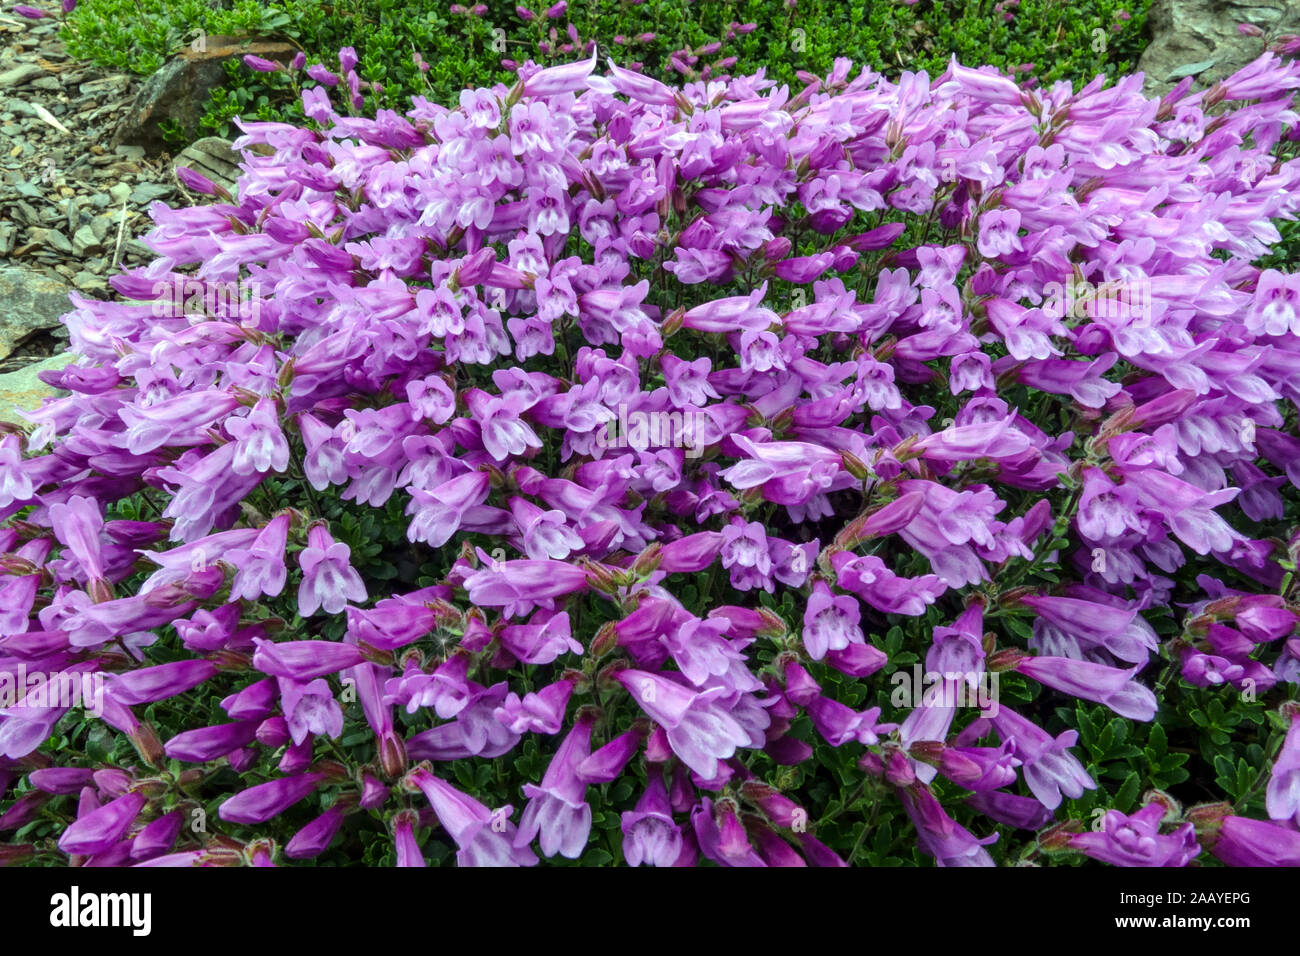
[(52, 238), (1200, 38), (148, 192), (29, 301), (85, 241), (50, 83), (179, 91), (211, 157), (89, 282), (24, 391), (20, 74)]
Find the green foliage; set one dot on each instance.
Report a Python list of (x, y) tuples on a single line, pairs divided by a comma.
[(1047, 39)]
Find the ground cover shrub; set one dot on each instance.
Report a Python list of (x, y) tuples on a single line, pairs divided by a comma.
[(437, 50), (597, 468)]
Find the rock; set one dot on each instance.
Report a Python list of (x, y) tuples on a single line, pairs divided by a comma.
[(211, 157), (85, 241), (32, 301), (52, 238), (120, 192), (179, 91), (23, 73), (89, 282), (23, 391), (50, 83), (147, 192), (1200, 37)]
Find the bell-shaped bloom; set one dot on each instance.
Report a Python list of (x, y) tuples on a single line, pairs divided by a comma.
[(520, 584), (869, 579), (447, 690), (557, 812), (260, 445), (831, 622), (77, 524), (1282, 798), (259, 568), (1051, 771), (650, 836), (329, 582), (537, 711), (438, 513), (546, 534), (700, 731), (267, 800), (304, 660), (1242, 841), (1111, 686), (1136, 840), (310, 708), (940, 835), (96, 831), (540, 643), (484, 837), (838, 723)]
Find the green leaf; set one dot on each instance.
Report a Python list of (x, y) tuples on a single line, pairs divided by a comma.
[(1126, 796)]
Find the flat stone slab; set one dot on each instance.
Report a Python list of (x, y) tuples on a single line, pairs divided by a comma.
[(23, 391), (29, 301)]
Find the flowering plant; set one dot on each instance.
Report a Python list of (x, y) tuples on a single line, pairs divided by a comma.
[(616, 448)]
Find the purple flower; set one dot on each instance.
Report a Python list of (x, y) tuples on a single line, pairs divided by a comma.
[(1111, 686), (830, 622), (1050, 771), (649, 834), (1136, 840), (1241, 841), (700, 731), (260, 445), (541, 712), (314, 838), (104, 826), (404, 842), (1282, 798), (260, 567), (310, 709), (266, 800), (485, 837), (261, 65), (328, 580), (557, 811)]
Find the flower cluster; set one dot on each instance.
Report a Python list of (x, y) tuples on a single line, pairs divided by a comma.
[(681, 399)]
